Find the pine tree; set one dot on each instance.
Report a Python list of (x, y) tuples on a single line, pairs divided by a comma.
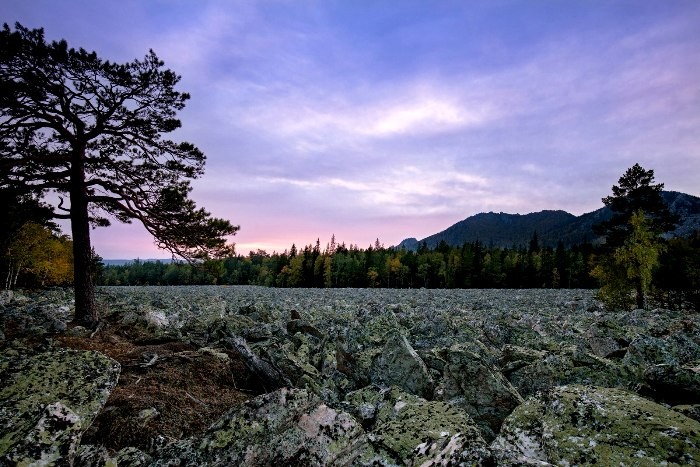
[(632, 236), (635, 190), (91, 131)]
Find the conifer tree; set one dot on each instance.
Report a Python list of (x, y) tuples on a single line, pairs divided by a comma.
[(632, 235), (90, 131), (635, 190)]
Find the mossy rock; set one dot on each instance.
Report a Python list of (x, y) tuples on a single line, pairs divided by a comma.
[(584, 425), (400, 365), (418, 432), (472, 382), (571, 366), (48, 400), (285, 427)]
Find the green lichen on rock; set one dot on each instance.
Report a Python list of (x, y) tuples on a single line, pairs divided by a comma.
[(399, 365), (99, 456), (53, 440), (288, 426), (48, 400), (570, 365), (418, 432), (582, 425), (374, 330), (482, 349), (476, 385), (689, 410)]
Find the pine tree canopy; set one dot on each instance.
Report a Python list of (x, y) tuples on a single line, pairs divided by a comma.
[(91, 132), (635, 191), (58, 103)]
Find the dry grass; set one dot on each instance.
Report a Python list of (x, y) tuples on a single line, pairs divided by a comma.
[(188, 389)]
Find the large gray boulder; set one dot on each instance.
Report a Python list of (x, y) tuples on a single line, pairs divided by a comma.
[(408, 430), (532, 372), (399, 365), (285, 427), (669, 366), (606, 338), (48, 400), (575, 425), (648, 350), (472, 382)]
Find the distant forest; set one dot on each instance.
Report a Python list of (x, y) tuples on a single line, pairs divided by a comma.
[(337, 265), (473, 265)]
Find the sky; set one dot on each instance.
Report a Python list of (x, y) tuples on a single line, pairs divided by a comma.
[(388, 119)]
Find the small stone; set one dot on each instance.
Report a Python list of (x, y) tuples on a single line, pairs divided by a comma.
[(146, 415)]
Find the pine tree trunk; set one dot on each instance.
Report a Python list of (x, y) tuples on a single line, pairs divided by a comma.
[(85, 308)]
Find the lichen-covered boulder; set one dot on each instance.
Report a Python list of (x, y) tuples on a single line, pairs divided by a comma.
[(371, 327), (606, 339), (420, 432), (648, 350), (408, 430), (48, 400), (294, 359), (365, 403), (569, 365), (575, 425), (669, 366), (399, 365), (99, 456), (473, 383), (671, 383), (514, 357), (285, 427)]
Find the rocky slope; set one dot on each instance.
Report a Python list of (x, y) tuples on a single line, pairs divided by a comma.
[(376, 377)]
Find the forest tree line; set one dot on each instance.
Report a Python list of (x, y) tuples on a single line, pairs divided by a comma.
[(35, 254), (473, 265)]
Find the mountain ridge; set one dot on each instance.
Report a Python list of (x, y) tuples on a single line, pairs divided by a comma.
[(507, 230)]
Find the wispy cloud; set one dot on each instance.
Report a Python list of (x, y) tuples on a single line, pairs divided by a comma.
[(407, 111), (400, 191)]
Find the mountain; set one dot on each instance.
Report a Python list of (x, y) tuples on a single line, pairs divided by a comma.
[(506, 230)]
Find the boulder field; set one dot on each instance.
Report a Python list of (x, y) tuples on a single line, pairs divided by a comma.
[(368, 377)]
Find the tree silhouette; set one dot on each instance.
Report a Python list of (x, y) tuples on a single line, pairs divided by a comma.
[(640, 216), (635, 191), (90, 131)]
